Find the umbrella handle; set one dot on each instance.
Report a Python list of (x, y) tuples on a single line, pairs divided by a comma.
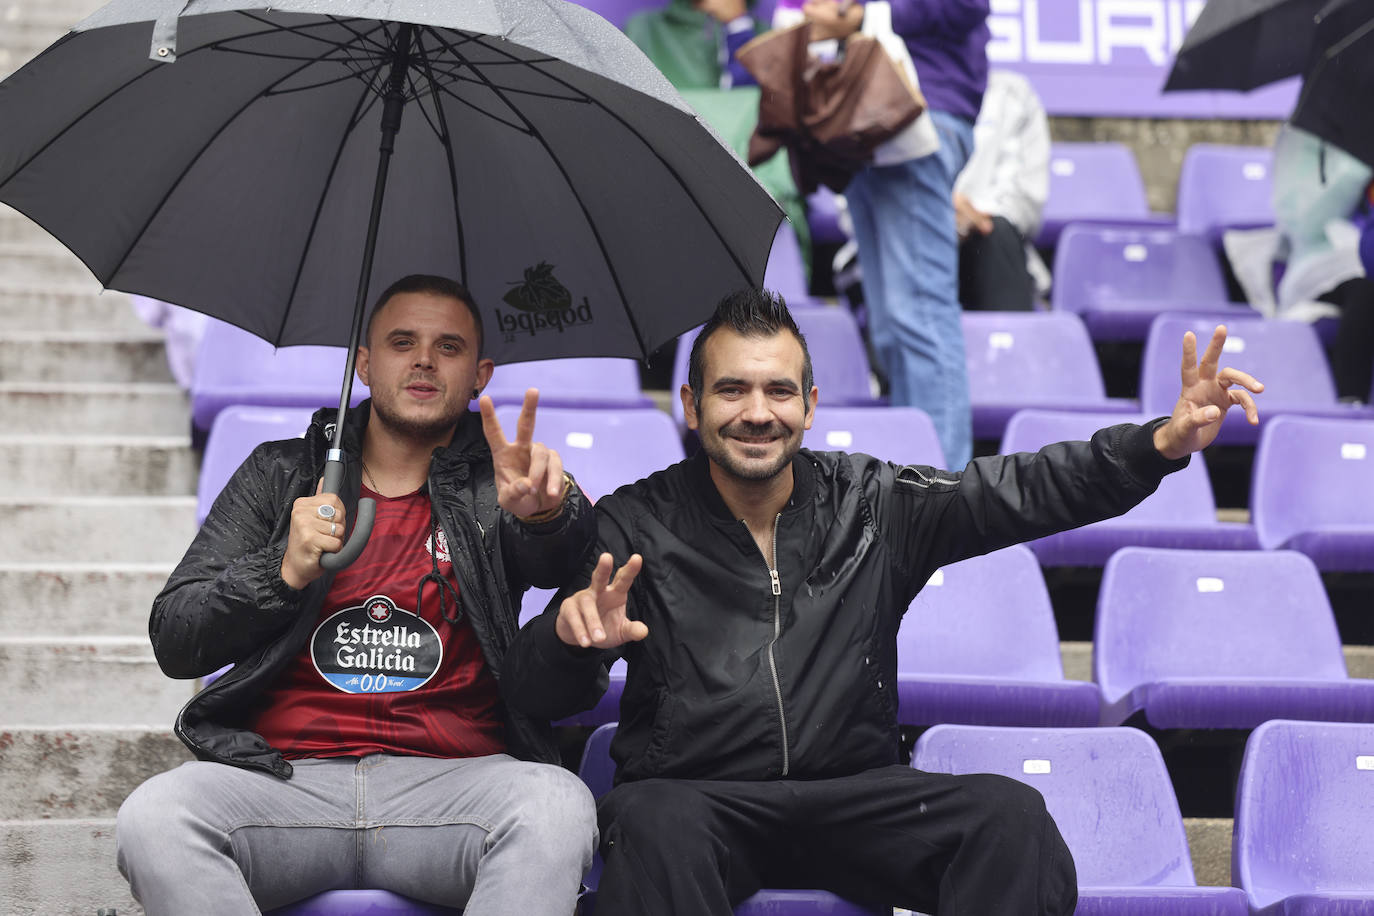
[(362, 528)]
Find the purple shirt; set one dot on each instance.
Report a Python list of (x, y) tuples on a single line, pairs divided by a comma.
[(948, 44)]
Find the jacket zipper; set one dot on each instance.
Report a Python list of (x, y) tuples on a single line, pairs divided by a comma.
[(776, 584)]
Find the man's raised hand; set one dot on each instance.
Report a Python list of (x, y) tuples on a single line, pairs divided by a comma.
[(595, 616), (1206, 396), (529, 475)]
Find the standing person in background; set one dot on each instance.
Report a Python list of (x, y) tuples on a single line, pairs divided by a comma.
[(999, 198), (693, 42), (904, 214)]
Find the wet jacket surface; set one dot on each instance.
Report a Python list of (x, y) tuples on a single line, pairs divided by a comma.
[(226, 602), (741, 680)]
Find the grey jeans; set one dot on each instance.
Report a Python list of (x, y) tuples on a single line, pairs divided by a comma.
[(493, 835)]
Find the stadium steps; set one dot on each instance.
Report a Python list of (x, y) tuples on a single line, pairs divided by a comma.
[(98, 500)]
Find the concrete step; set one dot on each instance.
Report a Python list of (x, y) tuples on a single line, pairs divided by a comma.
[(86, 680), (1209, 843), (61, 868), (96, 529), (74, 408), (93, 357), (93, 600), (98, 465), (68, 306), (80, 772), (39, 261), (1077, 658)]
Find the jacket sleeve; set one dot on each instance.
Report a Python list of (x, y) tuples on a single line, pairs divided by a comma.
[(543, 676), (939, 517), (226, 598), (552, 553), (937, 17)]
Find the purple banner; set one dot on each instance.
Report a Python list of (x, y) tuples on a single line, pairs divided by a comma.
[(1095, 58)]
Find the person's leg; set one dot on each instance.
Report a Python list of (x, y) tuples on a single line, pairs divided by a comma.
[(904, 221), (940, 844), (493, 835), (688, 847), (210, 838), (1352, 352), (992, 271)]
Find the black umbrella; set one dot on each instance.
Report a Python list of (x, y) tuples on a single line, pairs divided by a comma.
[(1244, 44), (1338, 83), (238, 159)]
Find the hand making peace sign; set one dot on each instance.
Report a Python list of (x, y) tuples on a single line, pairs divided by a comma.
[(529, 475), (1206, 396)]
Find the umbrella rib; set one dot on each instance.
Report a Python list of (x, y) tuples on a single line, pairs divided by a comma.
[(596, 234), (353, 121), (447, 140), (172, 187)]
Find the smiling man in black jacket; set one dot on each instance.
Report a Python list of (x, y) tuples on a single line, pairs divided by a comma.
[(757, 606)]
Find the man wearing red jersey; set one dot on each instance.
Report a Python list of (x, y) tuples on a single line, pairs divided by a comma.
[(360, 740)]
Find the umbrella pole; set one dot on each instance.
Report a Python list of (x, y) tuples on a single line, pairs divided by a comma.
[(393, 104)]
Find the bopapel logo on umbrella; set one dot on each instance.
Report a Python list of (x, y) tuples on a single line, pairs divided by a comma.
[(543, 303)]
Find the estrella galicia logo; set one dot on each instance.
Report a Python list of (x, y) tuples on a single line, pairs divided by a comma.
[(376, 647), (541, 303)]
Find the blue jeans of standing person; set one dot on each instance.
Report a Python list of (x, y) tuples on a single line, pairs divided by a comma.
[(216, 839), (909, 252)]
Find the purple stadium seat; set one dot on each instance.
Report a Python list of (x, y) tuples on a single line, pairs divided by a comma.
[(587, 381), (1109, 794), (1304, 829), (1019, 360), (1225, 187), (978, 646), (1220, 639), (1312, 490), (786, 271), (1180, 514), (838, 358), (598, 771), (362, 903), (1093, 182), (235, 367), (1285, 355), (617, 11), (603, 449), (1119, 278), (823, 216), (902, 435), (236, 431)]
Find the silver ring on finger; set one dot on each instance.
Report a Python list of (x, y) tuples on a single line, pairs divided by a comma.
[(333, 529), (325, 512)]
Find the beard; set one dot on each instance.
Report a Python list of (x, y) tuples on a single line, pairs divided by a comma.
[(716, 448), (423, 429)]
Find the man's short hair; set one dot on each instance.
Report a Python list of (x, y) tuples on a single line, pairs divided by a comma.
[(434, 286), (749, 313)]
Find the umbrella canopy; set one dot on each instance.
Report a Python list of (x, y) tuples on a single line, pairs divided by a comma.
[(1338, 83), (223, 156), (1244, 44)]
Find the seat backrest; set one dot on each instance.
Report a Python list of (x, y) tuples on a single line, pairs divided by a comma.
[(617, 11), (1286, 355), (1222, 187), (588, 381), (1106, 788), (786, 271), (988, 615), (597, 769), (1211, 613), (1183, 496), (903, 435), (1032, 355), (1310, 474), (604, 449), (1305, 811), (1092, 182), (236, 431), (1096, 267)]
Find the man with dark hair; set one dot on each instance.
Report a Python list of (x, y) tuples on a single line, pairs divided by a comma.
[(757, 606), (360, 739)]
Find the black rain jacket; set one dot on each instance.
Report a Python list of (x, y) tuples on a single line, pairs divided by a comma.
[(747, 674), (226, 601)]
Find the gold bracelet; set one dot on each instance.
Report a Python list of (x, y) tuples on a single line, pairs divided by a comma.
[(550, 514)]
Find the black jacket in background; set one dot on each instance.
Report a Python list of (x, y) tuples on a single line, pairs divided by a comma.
[(226, 601), (857, 540)]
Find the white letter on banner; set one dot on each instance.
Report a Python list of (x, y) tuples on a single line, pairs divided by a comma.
[(1149, 36), (1059, 52), (1005, 25)]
